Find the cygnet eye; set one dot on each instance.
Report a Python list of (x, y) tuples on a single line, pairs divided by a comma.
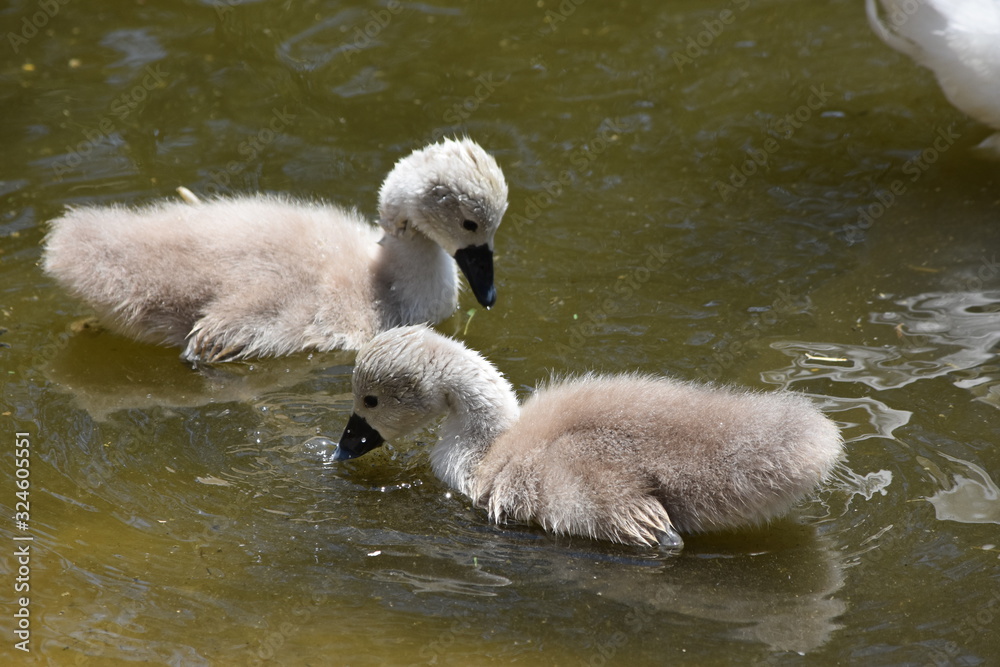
[(470, 225), (370, 401)]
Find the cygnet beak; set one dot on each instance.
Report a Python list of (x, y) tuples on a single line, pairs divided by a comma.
[(476, 262), (359, 438)]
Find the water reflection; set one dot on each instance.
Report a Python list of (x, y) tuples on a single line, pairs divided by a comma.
[(478, 583), (953, 334), (973, 498), (777, 587), (106, 373), (874, 418)]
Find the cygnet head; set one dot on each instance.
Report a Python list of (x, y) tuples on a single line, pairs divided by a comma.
[(454, 193), (396, 389), (406, 377)]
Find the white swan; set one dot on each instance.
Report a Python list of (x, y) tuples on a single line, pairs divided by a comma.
[(959, 40), (627, 458), (267, 275)]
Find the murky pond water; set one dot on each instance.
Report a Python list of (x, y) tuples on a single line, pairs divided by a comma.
[(685, 197)]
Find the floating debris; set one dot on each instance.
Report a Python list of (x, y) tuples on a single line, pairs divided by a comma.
[(818, 357), (212, 481)]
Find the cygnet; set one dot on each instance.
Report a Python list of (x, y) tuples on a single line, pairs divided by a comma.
[(264, 275), (632, 458)]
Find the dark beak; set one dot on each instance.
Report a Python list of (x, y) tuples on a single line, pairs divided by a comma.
[(359, 438), (476, 262)]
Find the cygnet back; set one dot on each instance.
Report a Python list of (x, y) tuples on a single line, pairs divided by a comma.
[(714, 457)]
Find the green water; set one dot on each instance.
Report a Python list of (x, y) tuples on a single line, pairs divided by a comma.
[(178, 518)]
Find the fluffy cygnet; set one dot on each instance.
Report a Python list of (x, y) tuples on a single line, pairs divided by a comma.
[(627, 458), (262, 275), (959, 40)]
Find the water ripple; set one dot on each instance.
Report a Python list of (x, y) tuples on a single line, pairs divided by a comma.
[(940, 334), (974, 498)]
